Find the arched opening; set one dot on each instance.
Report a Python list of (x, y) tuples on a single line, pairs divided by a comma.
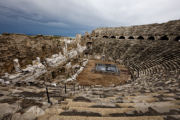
[(121, 37), (131, 37), (89, 44), (177, 39), (43, 47), (105, 36), (62, 70), (53, 75), (140, 38), (87, 36), (151, 38), (113, 37), (164, 38)]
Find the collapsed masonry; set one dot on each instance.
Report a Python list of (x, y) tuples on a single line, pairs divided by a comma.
[(72, 49)]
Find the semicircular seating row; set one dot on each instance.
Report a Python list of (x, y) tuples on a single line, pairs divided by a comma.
[(145, 57)]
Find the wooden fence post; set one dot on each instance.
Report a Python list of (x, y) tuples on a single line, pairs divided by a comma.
[(65, 88)]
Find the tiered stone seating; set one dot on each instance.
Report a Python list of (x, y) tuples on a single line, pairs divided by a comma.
[(140, 55), (147, 97), (168, 60), (154, 94)]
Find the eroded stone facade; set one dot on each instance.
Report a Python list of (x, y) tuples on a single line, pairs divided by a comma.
[(169, 31)]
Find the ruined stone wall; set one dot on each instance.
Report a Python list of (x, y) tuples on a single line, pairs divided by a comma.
[(26, 49), (158, 31)]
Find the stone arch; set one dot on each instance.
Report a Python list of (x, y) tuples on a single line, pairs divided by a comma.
[(62, 70), (113, 37), (121, 37), (151, 38), (43, 47), (105, 36), (89, 44), (140, 38), (177, 39), (130, 37), (164, 37), (53, 74)]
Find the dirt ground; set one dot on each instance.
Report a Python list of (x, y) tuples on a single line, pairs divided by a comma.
[(88, 77)]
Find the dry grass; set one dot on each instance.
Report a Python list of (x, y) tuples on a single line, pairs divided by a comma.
[(87, 77)]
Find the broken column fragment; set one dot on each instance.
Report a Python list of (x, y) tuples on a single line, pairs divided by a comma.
[(17, 65)]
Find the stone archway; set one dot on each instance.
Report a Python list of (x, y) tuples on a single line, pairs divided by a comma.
[(140, 38), (113, 37), (151, 38), (121, 37), (177, 39), (54, 75), (105, 36), (89, 44), (164, 38), (130, 37)]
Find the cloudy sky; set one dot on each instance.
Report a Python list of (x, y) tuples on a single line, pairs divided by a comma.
[(68, 17)]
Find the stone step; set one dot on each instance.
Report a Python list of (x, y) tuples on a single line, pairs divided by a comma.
[(100, 111), (130, 99), (92, 105), (58, 117), (132, 95), (137, 111), (129, 109), (174, 103), (147, 98), (80, 104)]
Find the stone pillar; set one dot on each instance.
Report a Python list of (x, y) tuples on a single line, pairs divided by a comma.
[(65, 49), (78, 38), (86, 34), (38, 60), (17, 65)]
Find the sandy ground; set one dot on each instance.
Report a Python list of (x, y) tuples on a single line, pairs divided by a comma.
[(88, 77)]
